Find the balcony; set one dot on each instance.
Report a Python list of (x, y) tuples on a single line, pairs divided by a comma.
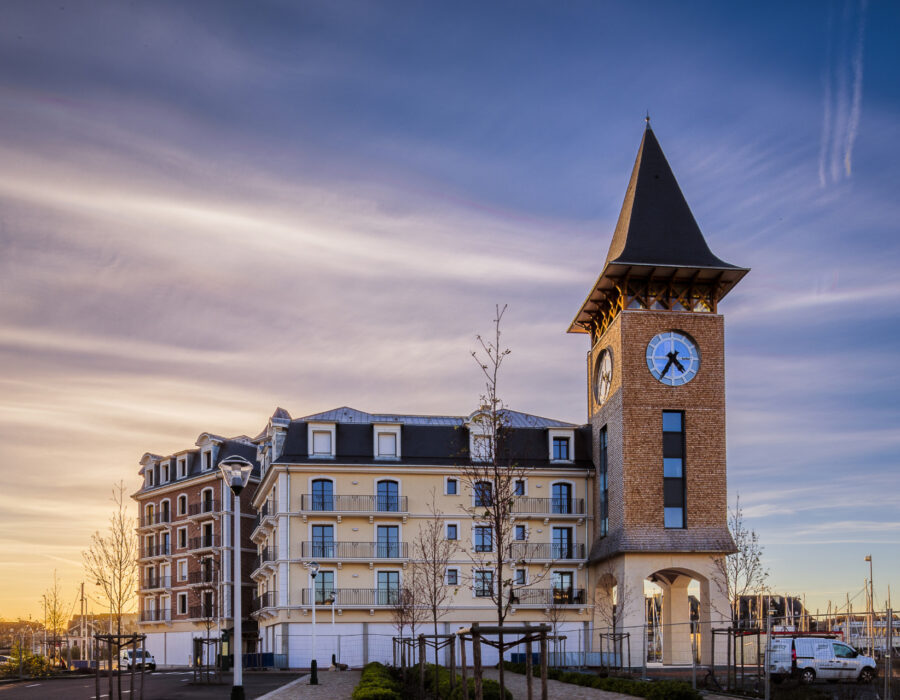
[(365, 551), (152, 582), (200, 577), (265, 556), (545, 597), (317, 503), (545, 551), (525, 505), (203, 509), (354, 597), (204, 542), (155, 550), (164, 615), (269, 599), (203, 612), (154, 519)]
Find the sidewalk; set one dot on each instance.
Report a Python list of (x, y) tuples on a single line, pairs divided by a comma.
[(333, 685), (515, 682)]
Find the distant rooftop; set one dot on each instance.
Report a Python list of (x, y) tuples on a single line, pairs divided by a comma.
[(346, 414)]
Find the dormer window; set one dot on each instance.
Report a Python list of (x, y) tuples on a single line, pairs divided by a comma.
[(207, 460), (387, 441), (150, 475), (321, 439), (561, 445), (182, 467), (164, 472)]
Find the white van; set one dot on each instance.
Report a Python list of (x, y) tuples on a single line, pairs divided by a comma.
[(140, 657), (809, 658)]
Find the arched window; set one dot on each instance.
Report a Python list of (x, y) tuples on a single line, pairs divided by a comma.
[(322, 494), (165, 514), (207, 504), (562, 498), (148, 514), (388, 496), (182, 504)]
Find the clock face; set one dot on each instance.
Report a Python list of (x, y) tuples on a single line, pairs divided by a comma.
[(603, 376), (673, 358)]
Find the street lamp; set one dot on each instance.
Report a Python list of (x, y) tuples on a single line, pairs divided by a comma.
[(236, 472), (313, 666), (871, 607)]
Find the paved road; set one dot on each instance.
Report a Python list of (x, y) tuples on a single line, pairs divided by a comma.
[(162, 685)]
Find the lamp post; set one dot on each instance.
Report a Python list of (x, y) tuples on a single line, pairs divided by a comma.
[(236, 472), (871, 607), (313, 666)]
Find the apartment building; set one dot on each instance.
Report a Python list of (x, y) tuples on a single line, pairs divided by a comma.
[(185, 531), (350, 490)]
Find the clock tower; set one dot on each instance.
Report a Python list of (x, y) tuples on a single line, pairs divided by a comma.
[(656, 402)]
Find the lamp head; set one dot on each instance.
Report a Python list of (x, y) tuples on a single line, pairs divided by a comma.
[(236, 472), (868, 557), (314, 569)]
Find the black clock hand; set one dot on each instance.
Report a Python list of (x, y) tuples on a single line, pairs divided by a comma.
[(666, 368), (677, 363)]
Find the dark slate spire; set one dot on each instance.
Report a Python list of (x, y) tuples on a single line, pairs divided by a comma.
[(656, 226), (656, 240)]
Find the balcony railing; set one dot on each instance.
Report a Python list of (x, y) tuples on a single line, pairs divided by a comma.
[(269, 599), (155, 550), (523, 505), (203, 612), (355, 550), (163, 615), (155, 519), (206, 506), (156, 582), (551, 551), (548, 596), (201, 576), (353, 597), (266, 554), (313, 502), (267, 509), (204, 542)]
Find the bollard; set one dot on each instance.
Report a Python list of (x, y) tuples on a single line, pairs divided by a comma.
[(313, 673)]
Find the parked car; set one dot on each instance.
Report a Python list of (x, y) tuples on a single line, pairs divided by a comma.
[(811, 658), (140, 657)]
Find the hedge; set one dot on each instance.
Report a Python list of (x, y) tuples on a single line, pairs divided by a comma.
[(377, 683)]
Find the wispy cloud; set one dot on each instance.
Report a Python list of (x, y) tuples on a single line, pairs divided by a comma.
[(843, 91)]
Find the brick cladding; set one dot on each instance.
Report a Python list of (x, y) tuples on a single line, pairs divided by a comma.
[(632, 415)]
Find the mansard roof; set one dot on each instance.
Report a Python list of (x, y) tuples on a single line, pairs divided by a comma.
[(345, 414)]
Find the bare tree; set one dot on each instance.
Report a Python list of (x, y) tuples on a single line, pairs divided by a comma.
[(432, 552), (406, 610), (111, 559), (207, 604), (55, 614), (742, 573)]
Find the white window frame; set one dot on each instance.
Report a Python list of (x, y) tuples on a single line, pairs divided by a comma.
[(379, 429), (447, 576), (165, 471), (458, 533), (475, 571), (181, 469), (165, 607), (478, 432), (151, 475), (206, 460), (447, 480), (523, 569), (490, 529), (524, 480), (182, 498), (178, 534), (475, 504), (573, 488), (516, 526), (311, 430), (181, 566), (182, 596), (560, 432)]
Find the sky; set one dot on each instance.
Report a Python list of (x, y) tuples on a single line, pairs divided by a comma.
[(210, 209)]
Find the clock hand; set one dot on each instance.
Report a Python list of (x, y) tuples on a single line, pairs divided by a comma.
[(666, 368), (678, 364)]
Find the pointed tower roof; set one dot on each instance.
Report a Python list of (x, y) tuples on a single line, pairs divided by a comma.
[(656, 235)]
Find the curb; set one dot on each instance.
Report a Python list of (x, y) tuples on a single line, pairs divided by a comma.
[(271, 694)]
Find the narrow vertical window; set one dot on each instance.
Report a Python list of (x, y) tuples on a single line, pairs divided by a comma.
[(603, 485), (673, 469)]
